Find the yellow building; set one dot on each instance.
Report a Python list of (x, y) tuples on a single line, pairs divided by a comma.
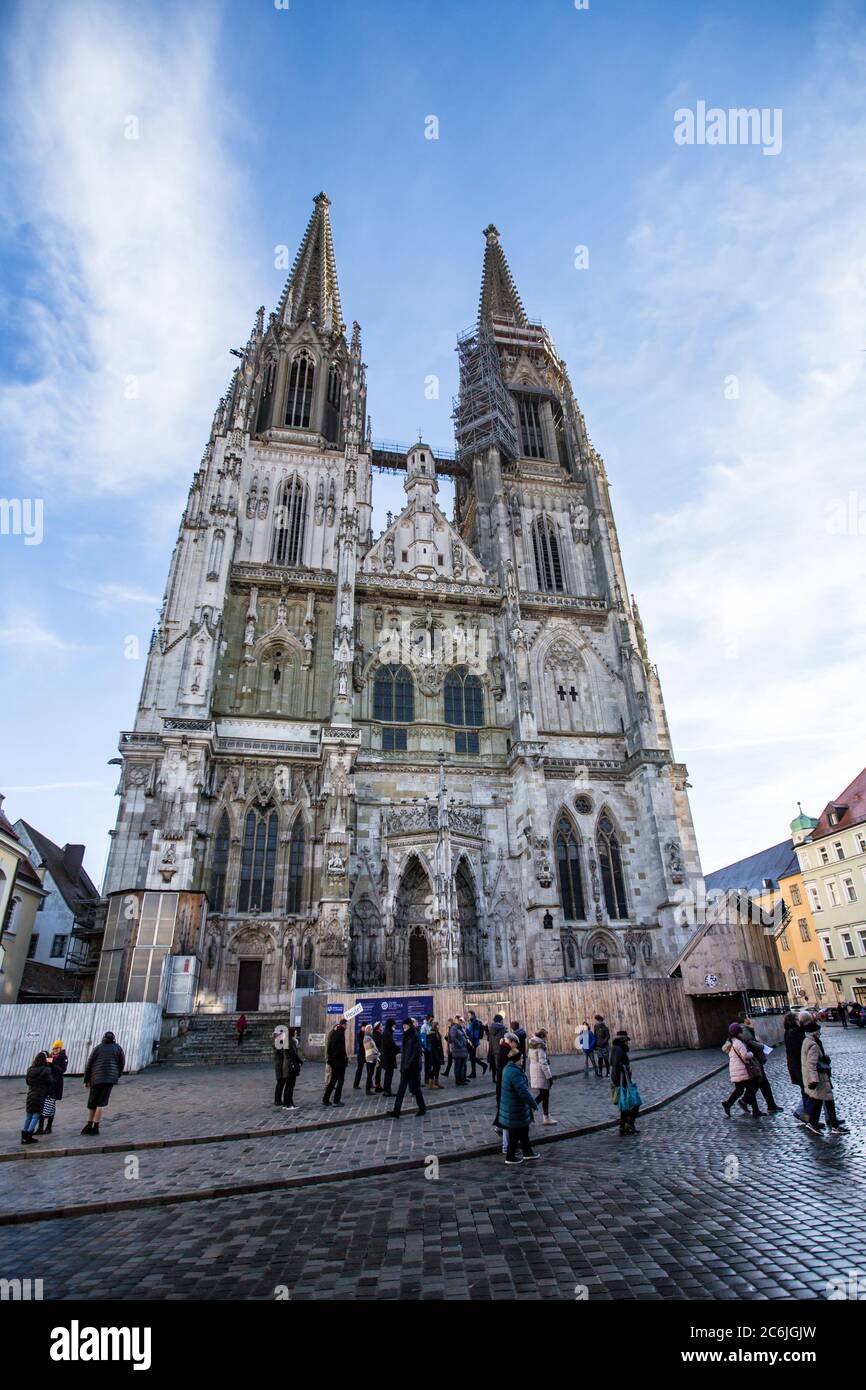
[(773, 881)]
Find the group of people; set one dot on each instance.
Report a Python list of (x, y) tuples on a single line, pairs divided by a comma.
[(104, 1068), (809, 1068)]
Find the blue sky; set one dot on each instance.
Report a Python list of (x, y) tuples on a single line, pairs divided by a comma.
[(128, 268)]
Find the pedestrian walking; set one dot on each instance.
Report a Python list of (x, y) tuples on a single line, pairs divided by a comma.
[(337, 1059), (621, 1077), (104, 1068), (371, 1056), (388, 1049), (585, 1043), (516, 1108), (287, 1066), (58, 1062), (843, 1014), (794, 1035), (458, 1048), (818, 1081), (540, 1075), (422, 1038), (756, 1047), (360, 1056), (446, 1042), (410, 1070), (241, 1027), (475, 1036), (602, 1046), (743, 1071), (495, 1033), (38, 1080), (377, 1038), (437, 1056)]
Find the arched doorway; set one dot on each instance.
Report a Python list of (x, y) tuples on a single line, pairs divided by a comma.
[(412, 908), (471, 964), (419, 963)]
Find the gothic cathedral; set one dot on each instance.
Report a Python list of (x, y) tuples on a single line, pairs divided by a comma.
[(438, 755)]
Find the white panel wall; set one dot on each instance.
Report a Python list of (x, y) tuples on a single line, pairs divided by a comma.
[(26, 1029)]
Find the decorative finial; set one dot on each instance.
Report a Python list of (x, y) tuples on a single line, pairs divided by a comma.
[(491, 232), (322, 200)]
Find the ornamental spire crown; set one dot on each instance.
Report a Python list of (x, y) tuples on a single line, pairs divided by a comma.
[(499, 297), (312, 290)]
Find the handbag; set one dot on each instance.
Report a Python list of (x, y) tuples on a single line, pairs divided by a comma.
[(632, 1097), (752, 1069)]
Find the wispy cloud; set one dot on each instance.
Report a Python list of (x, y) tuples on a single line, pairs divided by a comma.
[(26, 634), (110, 595), (131, 290), (754, 277)]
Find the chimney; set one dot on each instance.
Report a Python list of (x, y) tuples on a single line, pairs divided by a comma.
[(73, 857)]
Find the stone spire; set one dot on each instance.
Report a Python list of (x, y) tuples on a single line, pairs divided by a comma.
[(499, 295), (312, 288)]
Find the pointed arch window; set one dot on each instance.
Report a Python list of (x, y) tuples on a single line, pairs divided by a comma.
[(290, 523), (333, 401), (219, 865), (258, 861), (394, 703), (464, 707), (299, 401), (531, 434), (297, 846), (610, 861), (548, 559), (263, 419), (570, 875)]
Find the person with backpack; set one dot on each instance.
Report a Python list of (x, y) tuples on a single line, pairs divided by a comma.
[(585, 1043), (743, 1071), (602, 1046), (621, 1077), (474, 1035), (818, 1082)]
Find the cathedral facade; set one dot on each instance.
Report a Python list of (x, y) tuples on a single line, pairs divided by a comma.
[(437, 755)]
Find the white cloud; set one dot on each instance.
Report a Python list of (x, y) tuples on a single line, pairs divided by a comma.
[(110, 595), (140, 240), (26, 634), (751, 593)]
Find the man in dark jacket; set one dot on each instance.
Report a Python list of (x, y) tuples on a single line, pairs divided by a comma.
[(337, 1059), (475, 1034), (105, 1066), (495, 1033), (620, 1075), (410, 1070), (602, 1046), (388, 1049)]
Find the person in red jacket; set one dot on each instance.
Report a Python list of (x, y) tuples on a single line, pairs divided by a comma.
[(241, 1027)]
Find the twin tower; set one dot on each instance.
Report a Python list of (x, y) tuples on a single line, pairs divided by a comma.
[(437, 755)]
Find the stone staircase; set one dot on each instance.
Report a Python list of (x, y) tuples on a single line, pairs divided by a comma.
[(212, 1040)]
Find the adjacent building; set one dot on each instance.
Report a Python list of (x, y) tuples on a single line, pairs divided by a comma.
[(21, 897), (832, 864), (434, 755), (61, 960)]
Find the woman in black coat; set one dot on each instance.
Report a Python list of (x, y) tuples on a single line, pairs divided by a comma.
[(38, 1087), (794, 1035), (436, 1049), (388, 1051), (58, 1062)]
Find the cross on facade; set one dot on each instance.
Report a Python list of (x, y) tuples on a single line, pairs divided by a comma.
[(573, 693), (560, 692)]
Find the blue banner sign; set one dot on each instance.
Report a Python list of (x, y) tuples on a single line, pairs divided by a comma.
[(335, 1008), (397, 1006)]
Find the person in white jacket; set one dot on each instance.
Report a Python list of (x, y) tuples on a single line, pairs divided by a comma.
[(584, 1041), (540, 1075)]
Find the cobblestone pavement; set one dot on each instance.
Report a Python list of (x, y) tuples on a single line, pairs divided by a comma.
[(168, 1102), (28, 1185), (694, 1206)]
